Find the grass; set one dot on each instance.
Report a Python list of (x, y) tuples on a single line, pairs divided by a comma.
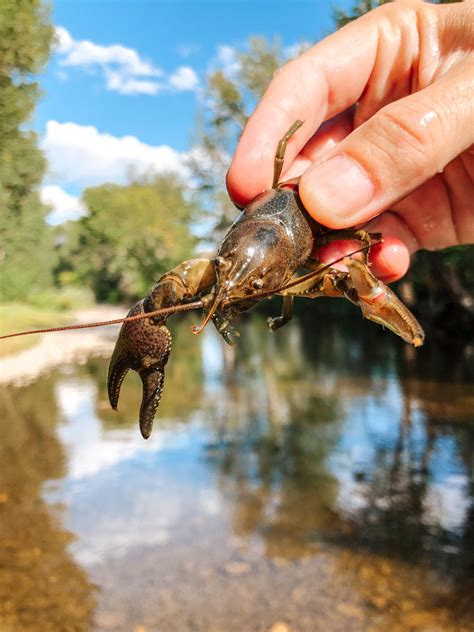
[(17, 317), (49, 309)]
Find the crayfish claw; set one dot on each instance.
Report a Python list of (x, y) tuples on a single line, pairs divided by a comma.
[(380, 305), (118, 369), (152, 379), (144, 347)]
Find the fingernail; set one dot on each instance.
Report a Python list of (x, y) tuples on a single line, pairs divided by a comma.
[(338, 187)]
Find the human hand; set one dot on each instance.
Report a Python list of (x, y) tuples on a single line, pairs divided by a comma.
[(406, 146)]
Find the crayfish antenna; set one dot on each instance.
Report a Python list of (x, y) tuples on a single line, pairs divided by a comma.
[(198, 329)]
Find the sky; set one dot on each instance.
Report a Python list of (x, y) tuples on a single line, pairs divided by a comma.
[(126, 78)]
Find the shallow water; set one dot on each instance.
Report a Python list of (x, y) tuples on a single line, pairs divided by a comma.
[(319, 478)]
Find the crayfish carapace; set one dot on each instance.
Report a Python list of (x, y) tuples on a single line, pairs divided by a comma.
[(263, 254)]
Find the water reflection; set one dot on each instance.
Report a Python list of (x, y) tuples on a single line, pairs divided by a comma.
[(344, 459), (313, 475), (42, 586)]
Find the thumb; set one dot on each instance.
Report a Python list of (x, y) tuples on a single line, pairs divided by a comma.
[(395, 151)]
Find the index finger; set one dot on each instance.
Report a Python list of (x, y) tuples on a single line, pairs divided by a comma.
[(319, 84)]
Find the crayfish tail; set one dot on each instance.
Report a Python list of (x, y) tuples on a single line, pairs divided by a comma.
[(152, 379)]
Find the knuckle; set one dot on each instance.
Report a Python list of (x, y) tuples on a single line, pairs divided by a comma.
[(399, 132)]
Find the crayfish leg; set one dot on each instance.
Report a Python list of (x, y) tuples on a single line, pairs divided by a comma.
[(183, 282), (280, 153), (286, 314)]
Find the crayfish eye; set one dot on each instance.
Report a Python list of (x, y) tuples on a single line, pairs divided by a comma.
[(220, 263), (257, 284)]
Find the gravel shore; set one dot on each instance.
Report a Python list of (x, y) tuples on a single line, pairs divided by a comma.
[(60, 348)]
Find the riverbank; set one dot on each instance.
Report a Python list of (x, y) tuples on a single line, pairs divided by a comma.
[(21, 367)]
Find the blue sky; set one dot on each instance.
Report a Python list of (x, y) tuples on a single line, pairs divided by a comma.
[(125, 81)]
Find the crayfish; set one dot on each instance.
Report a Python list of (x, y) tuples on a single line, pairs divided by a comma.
[(265, 252)]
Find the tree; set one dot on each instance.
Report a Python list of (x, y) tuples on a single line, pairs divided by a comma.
[(131, 235), (25, 40), (341, 18), (232, 93)]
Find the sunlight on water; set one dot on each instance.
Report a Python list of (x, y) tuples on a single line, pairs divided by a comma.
[(90, 450)]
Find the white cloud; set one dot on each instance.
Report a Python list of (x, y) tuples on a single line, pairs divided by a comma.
[(117, 82), (83, 156), (227, 60), (184, 79), (85, 53), (123, 68), (64, 41), (187, 50), (63, 205)]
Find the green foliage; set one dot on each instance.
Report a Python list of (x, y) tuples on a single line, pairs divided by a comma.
[(63, 299), (131, 235), (26, 249), (232, 94), (444, 279), (228, 99), (260, 63), (25, 35), (341, 18), (25, 40)]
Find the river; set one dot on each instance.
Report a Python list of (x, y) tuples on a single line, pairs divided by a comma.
[(319, 478)]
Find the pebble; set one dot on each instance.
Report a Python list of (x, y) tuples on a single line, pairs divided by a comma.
[(279, 626), (280, 562), (351, 611), (418, 619), (298, 594), (386, 568), (366, 573), (109, 620), (378, 602), (237, 568)]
